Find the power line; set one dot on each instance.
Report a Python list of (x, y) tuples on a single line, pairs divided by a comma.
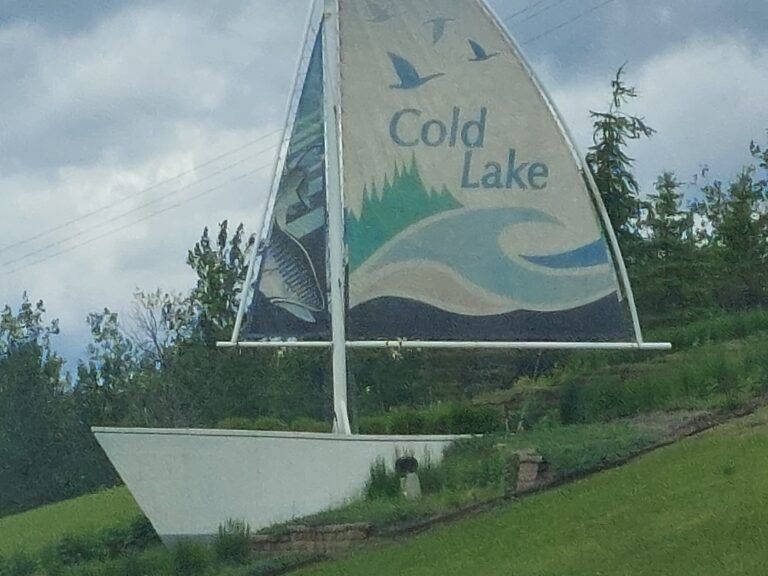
[(569, 21), (133, 223), (540, 12), (524, 10), (131, 211), (106, 207)]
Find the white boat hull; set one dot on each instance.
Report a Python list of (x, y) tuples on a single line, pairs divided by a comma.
[(188, 482)]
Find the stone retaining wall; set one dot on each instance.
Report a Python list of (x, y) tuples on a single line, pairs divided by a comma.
[(325, 540)]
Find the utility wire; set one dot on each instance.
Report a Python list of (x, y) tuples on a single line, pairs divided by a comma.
[(568, 22), (540, 12), (106, 207), (524, 10), (129, 212), (133, 223)]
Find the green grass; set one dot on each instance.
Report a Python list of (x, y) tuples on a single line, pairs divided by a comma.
[(697, 507), (36, 529), (571, 450), (715, 328)]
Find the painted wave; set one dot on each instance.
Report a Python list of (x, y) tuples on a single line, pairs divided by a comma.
[(476, 276)]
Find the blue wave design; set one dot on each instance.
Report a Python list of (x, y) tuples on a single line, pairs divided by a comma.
[(467, 241), (594, 254)]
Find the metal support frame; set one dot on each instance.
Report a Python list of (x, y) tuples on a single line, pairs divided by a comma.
[(447, 345), (335, 205)]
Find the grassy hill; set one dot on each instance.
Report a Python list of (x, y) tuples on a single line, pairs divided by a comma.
[(36, 529), (697, 507)]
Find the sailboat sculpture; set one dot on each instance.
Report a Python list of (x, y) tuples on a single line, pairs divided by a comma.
[(426, 195)]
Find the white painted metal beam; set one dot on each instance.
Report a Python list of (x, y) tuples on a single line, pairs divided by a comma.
[(647, 346)]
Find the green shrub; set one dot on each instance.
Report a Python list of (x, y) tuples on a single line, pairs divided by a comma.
[(511, 472), (190, 558), (304, 424), (262, 423), (472, 463), (475, 420), (76, 549), (233, 542), (446, 419), (141, 534), (430, 477), (269, 423), (379, 424), (408, 422), (381, 484), (19, 564), (235, 423)]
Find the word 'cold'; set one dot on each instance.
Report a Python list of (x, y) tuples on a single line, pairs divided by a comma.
[(405, 131)]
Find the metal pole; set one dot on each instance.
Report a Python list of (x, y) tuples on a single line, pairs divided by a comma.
[(447, 345), (335, 207)]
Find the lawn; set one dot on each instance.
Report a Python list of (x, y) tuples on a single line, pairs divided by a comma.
[(34, 530), (697, 507)]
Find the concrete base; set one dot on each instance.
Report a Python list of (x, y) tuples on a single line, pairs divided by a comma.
[(188, 482)]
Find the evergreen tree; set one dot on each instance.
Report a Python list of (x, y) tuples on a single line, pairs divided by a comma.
[(610, 164), (734, 233), (668, 270)]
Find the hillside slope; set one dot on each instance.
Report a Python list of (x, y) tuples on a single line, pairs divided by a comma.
[(33, 530), (697, 507)]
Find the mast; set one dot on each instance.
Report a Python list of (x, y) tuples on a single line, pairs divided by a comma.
[(335, 206)]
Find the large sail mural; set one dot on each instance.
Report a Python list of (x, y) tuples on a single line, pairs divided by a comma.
[(467, 214), (290, 299)]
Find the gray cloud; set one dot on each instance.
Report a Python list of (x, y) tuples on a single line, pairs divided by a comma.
[(103, 99)]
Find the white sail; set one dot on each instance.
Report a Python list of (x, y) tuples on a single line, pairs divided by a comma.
[(467, 213), (289, 298)]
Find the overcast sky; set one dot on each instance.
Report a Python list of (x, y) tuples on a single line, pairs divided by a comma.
[(101, 99)]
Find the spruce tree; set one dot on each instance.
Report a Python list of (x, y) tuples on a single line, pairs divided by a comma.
[(610, 164)]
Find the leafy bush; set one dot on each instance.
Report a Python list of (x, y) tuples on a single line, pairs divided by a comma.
[(445, 419), (472, 420), (268, 423), (190, 558), (382, 483), (76, 549), (379, 424), (233, 542), (141, 534), (511, 472), (408, 422), (473, 463), (430, 476), (262, 423), (309, 425), (717, 328), (19, 564), (235, 423)]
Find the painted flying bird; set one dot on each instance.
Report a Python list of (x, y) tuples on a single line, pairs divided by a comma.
[(438, 27), (378, 12), (480, 53), (409, 76)]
